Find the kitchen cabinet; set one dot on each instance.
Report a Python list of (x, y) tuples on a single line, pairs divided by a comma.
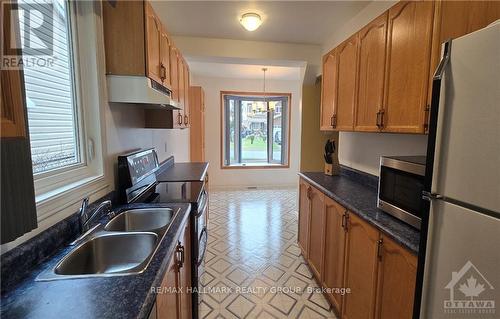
[(11, 85), (343, 114), (174, 299), (153, 44), (328, 90), (197, 131), (165, 58), (372, 41), (453, 19), (316, 231), (407, 66), (396, 281), (379, 272), (167, 301), (186, 109), (304, 217), (334, 251), (361, 268)]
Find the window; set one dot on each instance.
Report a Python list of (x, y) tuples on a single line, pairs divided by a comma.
[(50, 91), (64, 96), (255, 130)]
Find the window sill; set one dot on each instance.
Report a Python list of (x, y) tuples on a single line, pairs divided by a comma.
[(63, 198), (255, 166)]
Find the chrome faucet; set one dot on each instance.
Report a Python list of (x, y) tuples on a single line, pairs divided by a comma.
[(86, 217)]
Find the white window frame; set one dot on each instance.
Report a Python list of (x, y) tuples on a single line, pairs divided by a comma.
[(271, 163), (58, 190)]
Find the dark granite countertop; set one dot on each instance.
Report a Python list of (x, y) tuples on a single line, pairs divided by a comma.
[(361, 198), (121, 297), (181, 172)]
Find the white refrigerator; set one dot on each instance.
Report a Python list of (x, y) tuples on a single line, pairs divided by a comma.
[(461, 270)]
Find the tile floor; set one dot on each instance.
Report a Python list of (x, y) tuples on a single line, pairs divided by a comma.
[(254, 268)]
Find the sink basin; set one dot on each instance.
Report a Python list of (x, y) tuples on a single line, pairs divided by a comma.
[(144, 219), (109, 254)]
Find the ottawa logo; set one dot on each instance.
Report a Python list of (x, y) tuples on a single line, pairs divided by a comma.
[(470, 292)]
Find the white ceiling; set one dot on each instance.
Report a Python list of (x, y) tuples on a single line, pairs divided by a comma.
[(244, 71), (308, 22)]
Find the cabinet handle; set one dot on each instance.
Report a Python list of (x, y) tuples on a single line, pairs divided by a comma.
[(378, 119), (180, 255), (334, 118), (379, 248), (344, 221), (186, 120), (179, 118), (382, 112), (309, 192), (426, 119), (163, 72), (331, 121)]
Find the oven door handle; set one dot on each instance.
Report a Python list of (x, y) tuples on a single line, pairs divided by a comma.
[(204, 205), (203, 241)]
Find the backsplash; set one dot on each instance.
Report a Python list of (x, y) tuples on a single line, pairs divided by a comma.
[(366, 179)]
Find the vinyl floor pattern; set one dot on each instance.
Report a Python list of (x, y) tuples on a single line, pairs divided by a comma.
[(253, 266)]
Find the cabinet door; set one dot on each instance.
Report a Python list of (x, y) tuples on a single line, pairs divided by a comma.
[(180, 70), (396, 281), (317, 232), (197, 119), (328, 90), (371, 69), (186, 95), (11, 85), (333, 269), (407, 66), (165, 58), (346, 85), (185, 272), (304, 216), (153, 40), (174, 72), (453, 19), (167, 301), (361, 269)]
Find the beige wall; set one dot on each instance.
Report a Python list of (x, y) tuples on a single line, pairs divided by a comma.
[(363, 150), (227, 178), (313, 140)]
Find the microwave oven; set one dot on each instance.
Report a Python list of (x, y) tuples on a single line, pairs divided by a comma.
[(401, 183)]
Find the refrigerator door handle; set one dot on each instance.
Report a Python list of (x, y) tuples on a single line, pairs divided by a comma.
[(444, 61), (428, 196)]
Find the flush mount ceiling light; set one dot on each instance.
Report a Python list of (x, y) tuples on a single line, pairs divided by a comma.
[(251, 21)]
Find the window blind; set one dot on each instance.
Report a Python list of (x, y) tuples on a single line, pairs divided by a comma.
[(50, 97)]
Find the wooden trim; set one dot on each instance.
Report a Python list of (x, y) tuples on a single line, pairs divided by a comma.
[(253, 94)]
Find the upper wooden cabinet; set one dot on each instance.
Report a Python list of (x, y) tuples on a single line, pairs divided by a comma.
[(453, 19), (396, 57), (397, 272), (346, 84), (371, 70), (333, 265), (197, 121), (137, 43), (316, 231), (153, 44), (407, 66), (361, 269), (328, 90)]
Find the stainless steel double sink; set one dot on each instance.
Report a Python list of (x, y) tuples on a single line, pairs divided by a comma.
[(124, 246)]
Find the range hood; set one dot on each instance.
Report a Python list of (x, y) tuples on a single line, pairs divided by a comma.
[(139, 90)]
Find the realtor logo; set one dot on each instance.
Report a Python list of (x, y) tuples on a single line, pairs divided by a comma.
[(470, 292)]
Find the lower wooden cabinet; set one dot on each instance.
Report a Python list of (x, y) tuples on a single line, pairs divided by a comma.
[(304, 215), (396, 281), (174, 299), (345, 251), (333, 266), (361, 269), (316, 231)]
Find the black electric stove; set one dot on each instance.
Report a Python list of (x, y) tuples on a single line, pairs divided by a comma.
[(138, 184)]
